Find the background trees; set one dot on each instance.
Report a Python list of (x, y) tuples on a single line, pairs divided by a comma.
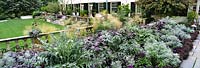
[(52, 7), (16, 8), (162, 8)]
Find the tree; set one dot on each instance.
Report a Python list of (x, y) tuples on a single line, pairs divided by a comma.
[(16, 8), (63, 4), (123, 12), (162, 8), (52, 7)]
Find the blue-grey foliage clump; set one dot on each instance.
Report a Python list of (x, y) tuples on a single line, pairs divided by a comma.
[(25, 59)]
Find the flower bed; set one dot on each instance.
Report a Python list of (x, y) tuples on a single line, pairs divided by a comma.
[(163, 45), (187, 46), (24, 59)]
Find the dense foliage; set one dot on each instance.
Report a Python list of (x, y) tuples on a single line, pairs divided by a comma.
[(52, 7), (107, 21), (131, 46), (162, 8), (65, 51), (16, 8), (192, 15), (25, 59), (123, 12)]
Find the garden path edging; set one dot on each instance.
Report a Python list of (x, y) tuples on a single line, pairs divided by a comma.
[(193, 61)]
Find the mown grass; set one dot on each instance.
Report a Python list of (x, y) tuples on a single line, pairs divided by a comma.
[(16, 27)]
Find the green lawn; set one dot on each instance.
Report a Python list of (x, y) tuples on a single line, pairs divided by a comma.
[(16, 27)]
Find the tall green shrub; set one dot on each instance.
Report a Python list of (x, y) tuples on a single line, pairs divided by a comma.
[(83, 12), (123, 12), (162, 8), (52, 7), (68, 10), (192, 15)]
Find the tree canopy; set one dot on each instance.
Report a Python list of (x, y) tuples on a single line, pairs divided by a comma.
[(52, 7), (16, 8), (164, 7)]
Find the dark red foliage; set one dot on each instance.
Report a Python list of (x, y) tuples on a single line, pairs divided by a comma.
[(139, 55), (194, 35), (189, 43), (42, 65), (59, 16), (187, 46), (183, 51), (130, 66)]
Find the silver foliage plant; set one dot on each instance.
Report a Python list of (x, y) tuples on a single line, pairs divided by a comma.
[(182, 32), (184, 28), (162, 53), (173, 33), (65, 52), (171, 41), (179, 30), (112, 47), (25, 59)]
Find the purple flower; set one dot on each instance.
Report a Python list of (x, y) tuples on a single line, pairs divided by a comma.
[(99, 34), (96, 44), (20, 54), (14, 55), (130, 66), (100, 38), (89, 38), (97, 49), (93, 47)]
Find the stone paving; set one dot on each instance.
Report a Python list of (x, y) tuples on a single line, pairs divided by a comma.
[(193, 60)]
